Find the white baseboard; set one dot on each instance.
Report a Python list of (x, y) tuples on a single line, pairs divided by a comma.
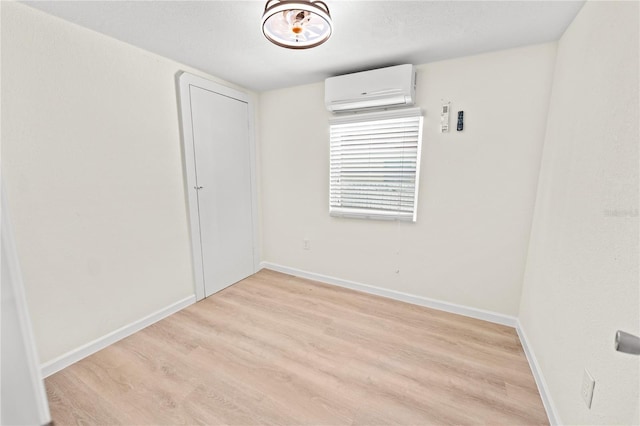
[(397, 295), (543, 389), (65, 360)]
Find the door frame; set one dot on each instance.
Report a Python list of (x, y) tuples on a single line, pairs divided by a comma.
[(18, 303), (185, 81)]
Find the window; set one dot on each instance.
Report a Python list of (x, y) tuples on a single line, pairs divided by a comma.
[(375, 165)]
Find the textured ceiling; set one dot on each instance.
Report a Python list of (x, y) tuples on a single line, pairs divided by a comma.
[(224, 38)]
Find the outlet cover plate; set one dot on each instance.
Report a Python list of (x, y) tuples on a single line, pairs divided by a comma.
[(588, 383)]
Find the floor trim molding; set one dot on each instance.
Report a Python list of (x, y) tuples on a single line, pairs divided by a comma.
[(65, 360), (397, 295), (543, 389)]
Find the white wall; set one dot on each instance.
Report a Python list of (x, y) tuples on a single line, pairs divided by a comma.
[(581, 282), (477, 187), (91, 157)]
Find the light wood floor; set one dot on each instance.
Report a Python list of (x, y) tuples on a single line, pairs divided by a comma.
[(275, 349)]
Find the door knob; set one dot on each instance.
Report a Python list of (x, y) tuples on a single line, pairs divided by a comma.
[(627, 343)]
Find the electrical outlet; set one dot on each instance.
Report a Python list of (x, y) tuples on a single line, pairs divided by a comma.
[(306, 244), (588, 383)]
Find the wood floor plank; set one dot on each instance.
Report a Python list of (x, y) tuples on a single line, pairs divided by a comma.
[(275, 349)]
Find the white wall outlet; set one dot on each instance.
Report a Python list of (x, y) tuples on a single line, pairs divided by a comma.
[(306, 244), (588, 383)]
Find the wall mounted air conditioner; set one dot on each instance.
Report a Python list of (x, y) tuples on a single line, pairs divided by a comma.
[(381, 88)]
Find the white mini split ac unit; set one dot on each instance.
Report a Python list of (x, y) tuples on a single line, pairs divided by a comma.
[(380, 88)]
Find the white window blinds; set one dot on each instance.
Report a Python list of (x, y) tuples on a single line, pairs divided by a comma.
[(375, 165)]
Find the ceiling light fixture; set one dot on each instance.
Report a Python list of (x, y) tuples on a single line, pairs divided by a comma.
[(296, 24)]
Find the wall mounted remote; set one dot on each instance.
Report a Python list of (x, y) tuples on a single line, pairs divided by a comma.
[(460, 121)]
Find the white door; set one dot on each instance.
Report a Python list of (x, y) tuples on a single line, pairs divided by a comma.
[(222, 169)]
